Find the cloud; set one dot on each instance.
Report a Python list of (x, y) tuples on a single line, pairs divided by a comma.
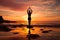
[(5, 13), (48, 8), (13, 5)]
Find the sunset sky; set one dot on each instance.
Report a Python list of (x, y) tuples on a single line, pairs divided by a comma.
[(43, 10)]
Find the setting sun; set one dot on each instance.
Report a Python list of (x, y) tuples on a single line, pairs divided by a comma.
[(25, 17)]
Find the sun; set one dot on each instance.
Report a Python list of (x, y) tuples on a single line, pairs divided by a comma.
[(25, 18)]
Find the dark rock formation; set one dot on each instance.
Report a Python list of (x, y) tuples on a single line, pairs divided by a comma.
[(33, 36), (1, 19), (50, 30), (15, 33), (33, 29), (41, 29), (46, 31), (4, 28)]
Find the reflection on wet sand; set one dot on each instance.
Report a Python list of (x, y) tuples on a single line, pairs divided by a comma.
[(21, 33)]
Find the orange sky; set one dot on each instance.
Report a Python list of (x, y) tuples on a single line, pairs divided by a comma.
[(43, 10)]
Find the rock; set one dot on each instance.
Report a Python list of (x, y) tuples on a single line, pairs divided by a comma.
[(49, 30), (33, 29), (45, 31), (41, 29), (33, 36), (15, 33), (5, 29)]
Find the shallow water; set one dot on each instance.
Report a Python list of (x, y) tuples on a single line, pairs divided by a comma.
[(22, 32)]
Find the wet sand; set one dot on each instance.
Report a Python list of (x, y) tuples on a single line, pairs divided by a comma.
[(21, 33)]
